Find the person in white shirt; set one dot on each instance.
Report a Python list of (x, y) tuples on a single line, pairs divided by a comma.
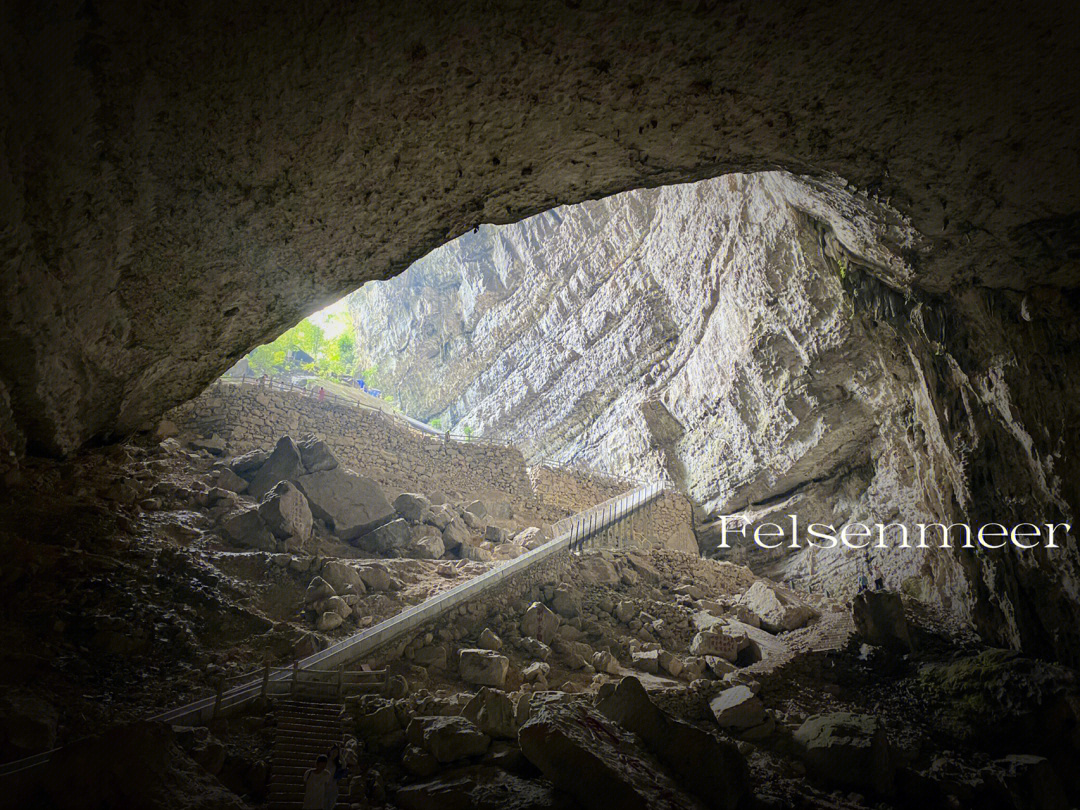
[(316, 782)]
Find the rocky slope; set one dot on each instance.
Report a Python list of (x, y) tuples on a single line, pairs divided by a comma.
[(755, 340)]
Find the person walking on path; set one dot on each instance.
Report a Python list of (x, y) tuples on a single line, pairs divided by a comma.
[(322, 393), (317, 782), (338, 771)]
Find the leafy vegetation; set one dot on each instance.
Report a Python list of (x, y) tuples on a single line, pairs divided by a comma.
[(332, 356)]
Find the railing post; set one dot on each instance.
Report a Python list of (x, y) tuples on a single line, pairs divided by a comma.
[(218, 696)]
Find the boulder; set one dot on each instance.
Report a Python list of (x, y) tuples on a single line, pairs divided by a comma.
[(133, 766), (318, 590), (376, 578), (530, 538), (229, 480), (483, 667), (412, 506), (350, 504), (492, 712), (247, 529), (489, 641), (626, 611), (539, 623), (596, 761), (845, 750), (496, 535), (776, 610), (455, 533), (283, 464), (429, 548), (343, 577), (453, 738), (474, 553), (709, 642), (712, 769), (248, 464), (472, 521), (879, 619), (426, 542), (420, 763), (537, 670), (603, 661), (535, 648), (737, 708), (285, 512), (433, 655), (440, 517), (315, 455), (477, 509), (596, 570), (27, 724), (670, 663), (391, 539), (647, 661), (329, 620), (335, 604), (565, 603)]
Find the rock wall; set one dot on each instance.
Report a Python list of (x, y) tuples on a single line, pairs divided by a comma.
[(402, 459), (756, 340)]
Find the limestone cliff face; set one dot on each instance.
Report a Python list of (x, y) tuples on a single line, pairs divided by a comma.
[(753, 339)]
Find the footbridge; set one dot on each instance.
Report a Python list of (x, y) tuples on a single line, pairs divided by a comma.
[(598, 525)]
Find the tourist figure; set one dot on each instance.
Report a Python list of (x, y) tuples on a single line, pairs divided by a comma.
[(338, 771), (322, 393), (317, 782), (863, 585), (879, 579)]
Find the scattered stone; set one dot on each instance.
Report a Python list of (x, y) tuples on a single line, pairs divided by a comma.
[(847, 750), (483, 667), (484, 787), (285, 512), (647, 661), (419, 762), (489, 641), (626, 611), (329, 621), (492, 712), (343, 577), (283, 464), (247, 529), (714, 643), (349, 503), (316, 455), (565, 603), (537, 670), (777, 611), (412, 506), (376, 578), (737, 708), (229, 480), (318, 590), (391, 539), (453, 738), (247, 464), (596, 761), (496, 535), (539, 623), (712, 769), (603, 661)]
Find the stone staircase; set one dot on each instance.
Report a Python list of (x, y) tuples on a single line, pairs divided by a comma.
[(305, 729)]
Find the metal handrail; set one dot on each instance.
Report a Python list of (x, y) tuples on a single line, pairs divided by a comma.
[(581, 527)]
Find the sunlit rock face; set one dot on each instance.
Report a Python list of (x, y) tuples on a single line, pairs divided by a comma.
[(752, 339)]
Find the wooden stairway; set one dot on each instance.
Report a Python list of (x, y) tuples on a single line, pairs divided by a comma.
[(305, 729)]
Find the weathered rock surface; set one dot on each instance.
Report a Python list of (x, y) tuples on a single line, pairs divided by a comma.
[(350, 503), (776, 610), (452, 738), (285, 512), (737, 708), (283, 464), (591, 758), (247, 528), (540, 622), (847, 750), (483, 667), (711, 769)]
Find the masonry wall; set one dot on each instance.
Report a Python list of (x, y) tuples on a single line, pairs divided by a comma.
[(401, 458)]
